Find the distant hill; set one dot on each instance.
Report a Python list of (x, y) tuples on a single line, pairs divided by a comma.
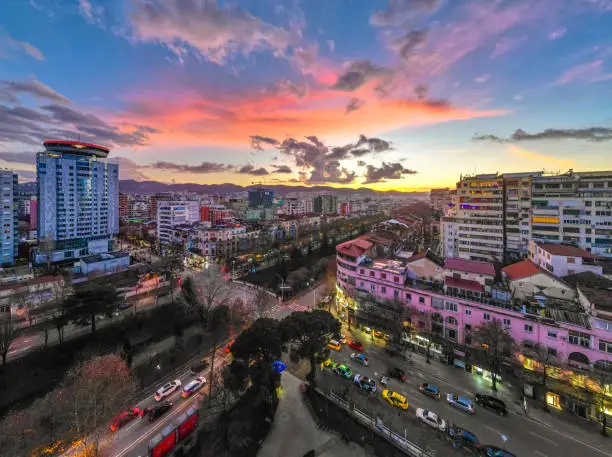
[(151, 187)]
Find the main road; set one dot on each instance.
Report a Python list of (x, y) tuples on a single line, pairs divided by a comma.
[(525, 436)]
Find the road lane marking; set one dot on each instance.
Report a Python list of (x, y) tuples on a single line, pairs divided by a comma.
[(493, 430), (540, 453), (544, 438)]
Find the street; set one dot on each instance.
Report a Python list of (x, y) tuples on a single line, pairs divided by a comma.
[(525, 436)]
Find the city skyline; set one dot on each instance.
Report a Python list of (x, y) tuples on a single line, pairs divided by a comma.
[(404, 95)]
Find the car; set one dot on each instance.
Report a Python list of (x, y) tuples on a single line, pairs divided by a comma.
[(356, 345), (329, 363), (124, 418), (359, 358), (430, 390), (192, 386), (492, 403), (333, 344), (462, 403), (465, 438), (395, 399), (378, 334), (199, 366), (364, 383), (397, 373), (228, 348), (156, 412), (343, 371), (124, 305), (430, 418), (167, 389), (494, 451), (340, 338)]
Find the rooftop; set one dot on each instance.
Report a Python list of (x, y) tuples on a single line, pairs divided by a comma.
[(470, 266), (522, 269), (465, 284), (103, 257), (354, 248), (565, 250), (596, 288), (76, 147)]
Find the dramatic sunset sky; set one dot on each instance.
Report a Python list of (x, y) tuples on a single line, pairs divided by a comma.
[(388, 94)]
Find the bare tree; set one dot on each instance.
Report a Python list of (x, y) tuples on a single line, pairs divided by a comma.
[(601, 398), (24, 306), (211, 290), (262, 303), (496, 342), (7, 335), (96, 389), (545, 359)]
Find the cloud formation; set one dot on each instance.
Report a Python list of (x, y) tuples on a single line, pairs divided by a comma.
[(215, 32), (595, 134), (385, 172), (282, 169), (33, 88), (252, 170), (357, 73), (203, 168), (354, 104), (591, 72), (399, 12), (257, 141), (8, 44)]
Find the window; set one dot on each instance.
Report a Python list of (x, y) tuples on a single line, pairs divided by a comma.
[(451, 334), (486, 316), (408, 297), (468, 312), (383, 276), (507, 323), (361, 271), (579, 339), (372, 287), (372, 273), (529, 328), (552, 352), (396, 294), (450, 306), (421, 300), (605, 346), (451, 320), (552, 334), (383, 290), (571, 260)]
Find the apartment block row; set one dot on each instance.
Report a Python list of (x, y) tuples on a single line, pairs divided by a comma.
[(492, 217), (571, 316)]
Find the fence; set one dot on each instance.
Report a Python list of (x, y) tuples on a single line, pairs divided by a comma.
[(385, 432)]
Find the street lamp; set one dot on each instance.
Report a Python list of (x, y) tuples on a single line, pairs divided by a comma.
[(282, 287), (314, 296)]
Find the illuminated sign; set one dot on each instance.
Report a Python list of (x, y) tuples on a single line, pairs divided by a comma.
[(188, 426), (545, 220), (164, 446)]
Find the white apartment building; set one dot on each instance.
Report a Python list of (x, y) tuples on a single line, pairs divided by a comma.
[(174, 213), (563, 259), (220, 242), (8, 218), (78, 195)]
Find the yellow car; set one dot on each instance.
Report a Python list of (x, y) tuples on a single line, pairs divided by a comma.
[(333, 344), (395, 399)]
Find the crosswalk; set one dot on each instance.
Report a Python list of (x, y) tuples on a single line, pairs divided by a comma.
[(279, 311)]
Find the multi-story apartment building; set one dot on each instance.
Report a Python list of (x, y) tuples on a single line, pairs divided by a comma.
[(261, 198), (9, 238), (220, 242), (517, 213), (174, 213), (154, 200), (440, 199), (475, 229), (449, 312), (78, 195), (562, 259), (325, 204)]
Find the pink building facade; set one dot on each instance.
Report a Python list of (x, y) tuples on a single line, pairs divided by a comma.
[(572, 335)]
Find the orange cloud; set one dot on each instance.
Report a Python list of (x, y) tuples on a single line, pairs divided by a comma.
[(188, 119)]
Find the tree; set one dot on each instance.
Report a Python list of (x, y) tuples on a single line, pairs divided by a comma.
[(603, 396), (310, 331), (24, 306), (90, 301), (262, 303), (96, 389), (544, 358), (211, 289), (496, 342), (219, 317), (7, 335)]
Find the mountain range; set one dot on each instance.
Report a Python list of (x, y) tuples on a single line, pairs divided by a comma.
[(151, 187)]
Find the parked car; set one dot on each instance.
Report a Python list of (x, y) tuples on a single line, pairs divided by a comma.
[(124, 305), (199, 366), (395, 399), (430, 390), (359, 358), (494, 451), (430, 418), (356, 345), (124, 418), (364, 383), (193, 386), (343, 371), (333, 344), (465, 438), (492, 403), (462, 403), (167, 389), (156, 412), (340, 338), (397, 373)]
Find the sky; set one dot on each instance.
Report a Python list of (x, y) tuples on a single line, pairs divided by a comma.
[(386, 94)]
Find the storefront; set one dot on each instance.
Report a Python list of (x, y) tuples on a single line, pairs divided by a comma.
[(485, 374), (459, 359), (553, 400)]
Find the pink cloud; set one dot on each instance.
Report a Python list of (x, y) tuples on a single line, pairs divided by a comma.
[(590, 72), (507, 44)]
